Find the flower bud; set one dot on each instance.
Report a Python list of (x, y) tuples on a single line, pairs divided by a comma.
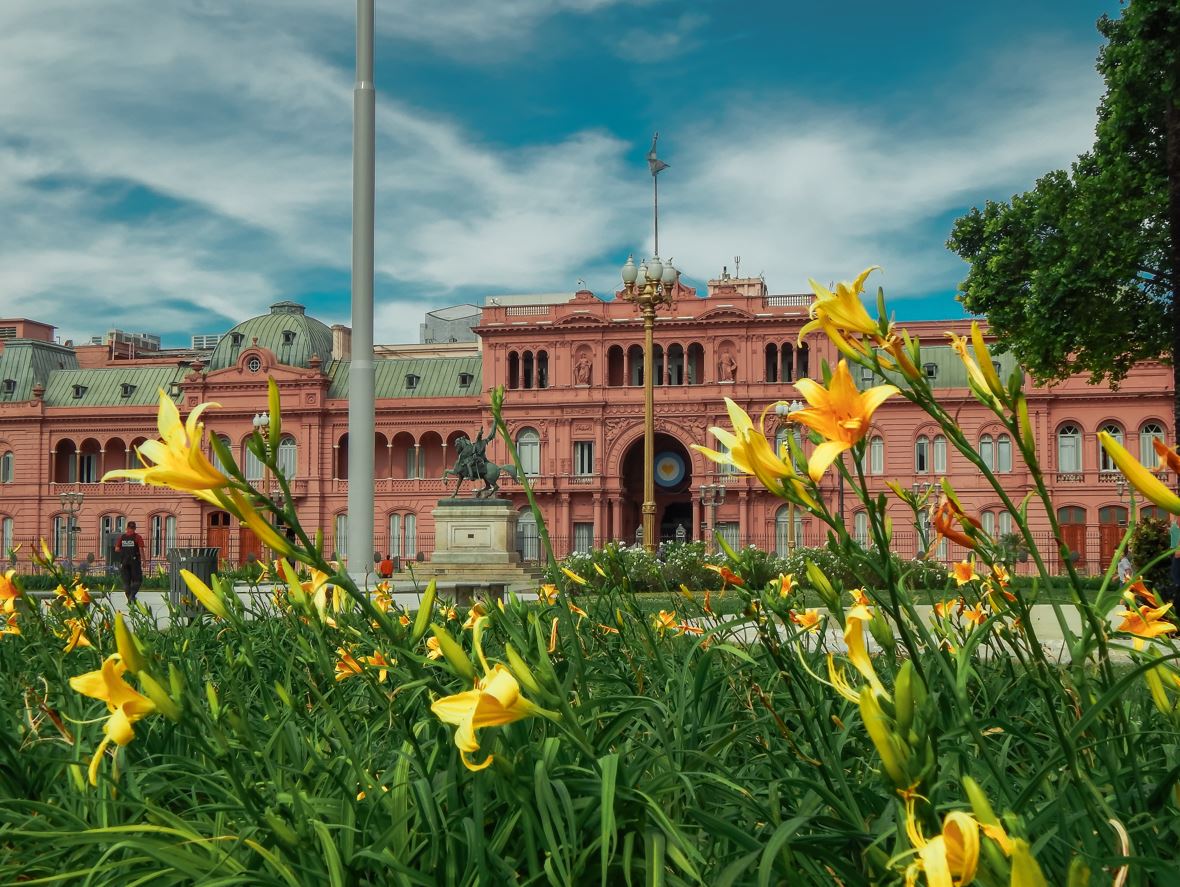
[(425, 609), (454, 654), (163, 702), (127, 645)]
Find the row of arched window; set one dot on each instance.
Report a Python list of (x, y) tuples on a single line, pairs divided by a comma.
[(527, 369), (675, 365), (786, 363), (1070, 454), (931, 454)]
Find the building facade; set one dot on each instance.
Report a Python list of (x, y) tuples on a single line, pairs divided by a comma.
[(574, 373)]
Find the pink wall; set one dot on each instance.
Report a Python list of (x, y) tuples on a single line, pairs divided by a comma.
[(738, 317)]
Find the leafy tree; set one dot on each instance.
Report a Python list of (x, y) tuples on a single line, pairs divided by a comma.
[(1080, 273), (1148, 544)]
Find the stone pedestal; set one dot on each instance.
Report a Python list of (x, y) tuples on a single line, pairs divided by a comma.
[(474, 533)]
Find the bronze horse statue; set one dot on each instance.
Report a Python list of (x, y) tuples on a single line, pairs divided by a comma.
[(473, 465)]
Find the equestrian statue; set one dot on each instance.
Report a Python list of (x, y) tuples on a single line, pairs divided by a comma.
[(472, 464)]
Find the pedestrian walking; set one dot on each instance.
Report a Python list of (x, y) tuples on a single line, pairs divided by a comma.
[(129, 550)]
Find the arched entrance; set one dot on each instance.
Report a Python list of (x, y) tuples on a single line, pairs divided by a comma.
[(673, 489)]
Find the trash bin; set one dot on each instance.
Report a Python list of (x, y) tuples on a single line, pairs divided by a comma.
[(201, 562)]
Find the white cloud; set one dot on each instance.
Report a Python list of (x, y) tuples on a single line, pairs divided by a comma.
[(245, 125)]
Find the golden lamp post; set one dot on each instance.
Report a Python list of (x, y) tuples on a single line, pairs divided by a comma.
[(647, 286)]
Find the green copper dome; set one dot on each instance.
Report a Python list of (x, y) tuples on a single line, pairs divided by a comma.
[(286, 330)]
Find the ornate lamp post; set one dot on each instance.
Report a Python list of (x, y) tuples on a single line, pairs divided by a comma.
[(648, 286), (712, 495), (783, 411), (71, 504)]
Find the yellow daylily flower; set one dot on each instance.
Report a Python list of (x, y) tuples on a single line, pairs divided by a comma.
[(125, 704), (1138, 476), (574, 576), (8, 624), (979, 381), (786, 584), (949, 859), (494, 701), (236, 504), (209, 599), (473, 615), (854, 621), (840, 413), (433, 648), (839, 681), (77, 635), (748, 450), (547, 593), (177, 460), (842, 310), (9, 593)]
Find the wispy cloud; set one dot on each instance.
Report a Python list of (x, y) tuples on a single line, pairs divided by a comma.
[(232, 134)]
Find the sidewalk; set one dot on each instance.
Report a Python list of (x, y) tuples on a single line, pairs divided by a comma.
[(1044, 620)]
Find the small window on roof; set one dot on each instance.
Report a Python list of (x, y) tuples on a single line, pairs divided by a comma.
[(412, 381), (9, 386), (79, 390), (174, 389), (126, 389), (288, 336), (465, 379), (236, 339), (931, 370)]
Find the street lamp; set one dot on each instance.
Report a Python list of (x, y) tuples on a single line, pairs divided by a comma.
[(71, 504), (647, 286), (712, 495), (784, 411)]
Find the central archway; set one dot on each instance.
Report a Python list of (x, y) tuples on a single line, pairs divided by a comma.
[(673, 488)]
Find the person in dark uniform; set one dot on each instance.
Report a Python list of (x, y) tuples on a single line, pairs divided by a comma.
[(129, 549)]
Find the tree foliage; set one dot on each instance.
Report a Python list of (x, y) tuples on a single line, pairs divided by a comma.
[(1079, 274)]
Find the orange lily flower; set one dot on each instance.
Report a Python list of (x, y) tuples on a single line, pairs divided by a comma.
[(964, 572), (808, 620), (665, 620), (946, 513), (1147, 622), (728, 576), (9, 593), (839, 413)]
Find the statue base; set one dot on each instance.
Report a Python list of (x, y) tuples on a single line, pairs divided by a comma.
[(474, 533)]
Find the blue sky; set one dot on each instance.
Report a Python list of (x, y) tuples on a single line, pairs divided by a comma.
[(176, 167)]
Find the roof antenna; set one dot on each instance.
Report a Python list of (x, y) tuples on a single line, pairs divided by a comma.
[(737, 266)]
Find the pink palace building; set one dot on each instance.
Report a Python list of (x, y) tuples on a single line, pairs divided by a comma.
[(573, 367)]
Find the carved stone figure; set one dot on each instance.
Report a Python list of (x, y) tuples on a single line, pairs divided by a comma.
[(582, 370), (726, 367), (471, 463)]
